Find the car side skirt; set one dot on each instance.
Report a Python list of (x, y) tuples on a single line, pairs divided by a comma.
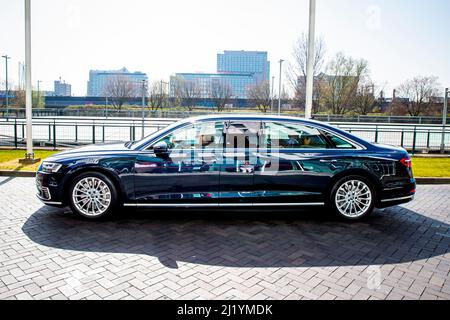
[(216, 205)]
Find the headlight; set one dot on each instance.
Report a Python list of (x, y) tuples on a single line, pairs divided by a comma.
[(51, 167)]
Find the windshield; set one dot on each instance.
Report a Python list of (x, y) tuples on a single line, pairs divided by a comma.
[(140, 143)]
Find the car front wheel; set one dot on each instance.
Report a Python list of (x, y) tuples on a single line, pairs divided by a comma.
[(93, 195), (353, 198)]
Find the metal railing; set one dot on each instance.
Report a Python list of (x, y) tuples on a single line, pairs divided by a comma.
[(137, 113), (74, 132), (70, 132), (414, 138)]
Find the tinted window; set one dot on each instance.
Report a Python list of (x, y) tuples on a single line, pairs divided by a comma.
[(240, 134), (208, 135), (286, 135), (338, 143)]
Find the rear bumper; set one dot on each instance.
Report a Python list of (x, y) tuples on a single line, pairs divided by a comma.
[(384, 203), (398, 195)]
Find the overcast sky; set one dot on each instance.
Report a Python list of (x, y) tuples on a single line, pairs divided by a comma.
[(399, 38)]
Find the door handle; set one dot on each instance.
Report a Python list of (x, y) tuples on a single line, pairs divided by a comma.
[(329, 161), (246, 168)]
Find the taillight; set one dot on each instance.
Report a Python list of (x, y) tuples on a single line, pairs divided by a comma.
[(406, 162)]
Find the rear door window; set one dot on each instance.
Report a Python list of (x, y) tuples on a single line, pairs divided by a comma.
[(287, 135)]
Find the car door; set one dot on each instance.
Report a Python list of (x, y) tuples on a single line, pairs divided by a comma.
[(239, 162), (183, 167), (294, 164)]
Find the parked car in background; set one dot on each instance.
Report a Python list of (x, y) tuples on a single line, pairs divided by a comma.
[(231, 161)]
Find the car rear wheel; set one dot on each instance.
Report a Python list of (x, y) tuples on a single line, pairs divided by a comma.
[(93, 195), (353, 198)]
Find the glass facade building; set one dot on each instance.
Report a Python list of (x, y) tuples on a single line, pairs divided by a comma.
[(239, 69), (98, 79), (250, 62)]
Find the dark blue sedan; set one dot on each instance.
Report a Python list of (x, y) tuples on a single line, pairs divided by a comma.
[(231, 161)]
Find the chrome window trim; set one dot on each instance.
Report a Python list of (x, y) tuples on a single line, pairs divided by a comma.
[(356, 145), (350, 141)]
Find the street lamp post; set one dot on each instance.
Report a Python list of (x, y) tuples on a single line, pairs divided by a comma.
[(272, 97), (279, 87), (310, 60), (161, 89), (143, 106), (6, 80), (106, 106), (29, 156), (444, 120), (38, 93), (20, 77)]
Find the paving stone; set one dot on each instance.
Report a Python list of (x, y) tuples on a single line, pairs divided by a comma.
[(399, 253)]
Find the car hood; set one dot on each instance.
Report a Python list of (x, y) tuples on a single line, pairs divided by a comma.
[(91, 150)]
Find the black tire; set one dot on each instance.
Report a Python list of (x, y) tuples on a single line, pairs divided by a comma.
[(365, 211), (111, 187)]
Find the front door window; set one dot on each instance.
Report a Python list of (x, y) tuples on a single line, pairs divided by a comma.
[(183, 166)]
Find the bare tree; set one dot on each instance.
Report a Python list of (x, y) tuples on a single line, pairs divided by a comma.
[(417, 94), (260, 94), (364, 101), (297, 70), (186, 92), (3, 100), (119, 90), (344, 76), (220, 94), (157, 96), (19, 98)]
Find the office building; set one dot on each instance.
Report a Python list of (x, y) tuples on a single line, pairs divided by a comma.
[(62, 89), (244, 62), (99, 79), (238, 69)]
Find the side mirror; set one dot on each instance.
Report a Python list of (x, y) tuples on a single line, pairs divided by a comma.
[(161, 149)]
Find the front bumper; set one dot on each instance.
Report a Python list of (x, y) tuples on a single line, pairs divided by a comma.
[(49, 188)]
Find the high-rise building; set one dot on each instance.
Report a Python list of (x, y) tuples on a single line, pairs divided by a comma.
[(62, 89), (249, 62), (98, 80), (238, 69)]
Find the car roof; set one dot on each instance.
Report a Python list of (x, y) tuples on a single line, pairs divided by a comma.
[(249, 117)]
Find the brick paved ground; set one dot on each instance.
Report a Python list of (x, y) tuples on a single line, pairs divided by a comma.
[(47, 253)]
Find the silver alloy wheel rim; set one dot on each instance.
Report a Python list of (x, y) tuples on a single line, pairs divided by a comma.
[(353, 198), (91, 196)]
